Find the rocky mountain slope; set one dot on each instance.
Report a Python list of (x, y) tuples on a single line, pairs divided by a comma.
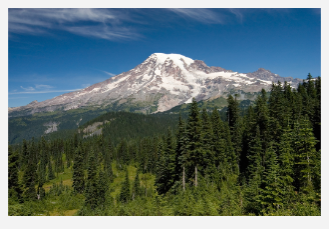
[(161, 82)]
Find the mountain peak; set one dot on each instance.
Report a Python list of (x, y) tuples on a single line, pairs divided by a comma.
[(33, 102), (178, 59), (262, 70)]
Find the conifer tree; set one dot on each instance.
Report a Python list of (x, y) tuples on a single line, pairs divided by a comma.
[(207, 137), (166, 170), (317, 113), (306, 156), (232, 111), (29, 181), (91, 193), (136, 191), (270, 196), (182, 153), (248, 134), (218, 142), (41, 170), (78, 171), (286, 159), (51, 174), (24, 157), (234, 122), (102, 188), (125, 190), (194, 139), (13, 184), (179, 147), (255, 174)]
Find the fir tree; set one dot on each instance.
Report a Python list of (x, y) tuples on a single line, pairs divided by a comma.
[(306, 154), (91, 193), (78, 171), (255, 174), (270, 196), (13, 184), (125, 190), (103, 186), (136, 191), (194, 139), (286, 159), (51, 174)]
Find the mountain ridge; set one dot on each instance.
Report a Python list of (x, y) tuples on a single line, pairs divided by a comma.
[(159, 83)]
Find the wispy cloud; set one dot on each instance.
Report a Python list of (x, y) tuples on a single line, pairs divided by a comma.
[(105, 23), (39, 92), (109, 73), (238, 13), (18, 98), (115, 24), (202, 15), (28, 88), (42, 86)]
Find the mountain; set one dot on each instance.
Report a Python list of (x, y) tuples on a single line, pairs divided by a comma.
[(161, 82)]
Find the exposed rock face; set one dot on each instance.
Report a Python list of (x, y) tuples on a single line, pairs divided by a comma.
[(52, 127), (167, 79), (94, 129)]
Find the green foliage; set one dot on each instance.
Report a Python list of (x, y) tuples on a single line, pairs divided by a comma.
[(14, 190), (125, 190), (78, 172)]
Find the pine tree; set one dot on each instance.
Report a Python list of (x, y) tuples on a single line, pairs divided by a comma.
[(51, 174), (270, 196), (179, 148), (317, 113), (182, 153), (91, 193), (306, 156), (248, 134), (25, 154), (232, 111), (125, 190), (166, 169), (102, 188), (255, 174), (42, 168), (286, 162), (29, 181), (207, 137), (136, 191), (194, 139), (234, 122), (231, 156), (13, 184), (78, 171)]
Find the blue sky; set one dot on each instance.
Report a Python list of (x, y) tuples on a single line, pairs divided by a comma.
[(53, 51)]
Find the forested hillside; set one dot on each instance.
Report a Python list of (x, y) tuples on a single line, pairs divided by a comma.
[(265, 162)]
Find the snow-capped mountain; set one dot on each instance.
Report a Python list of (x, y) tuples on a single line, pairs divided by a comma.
[(162, 81)]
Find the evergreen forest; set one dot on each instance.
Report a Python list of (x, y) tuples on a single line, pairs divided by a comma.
[(261, 160)]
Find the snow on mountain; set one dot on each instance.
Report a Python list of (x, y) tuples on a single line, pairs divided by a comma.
[(166, 80)]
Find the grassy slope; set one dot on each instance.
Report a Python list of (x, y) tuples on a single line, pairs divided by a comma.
[(56, 206)]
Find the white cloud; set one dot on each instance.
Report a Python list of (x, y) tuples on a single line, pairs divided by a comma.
[(41, 86), (19, 98), (104, 22), (109, 73), (238, 13), (28, 88)]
